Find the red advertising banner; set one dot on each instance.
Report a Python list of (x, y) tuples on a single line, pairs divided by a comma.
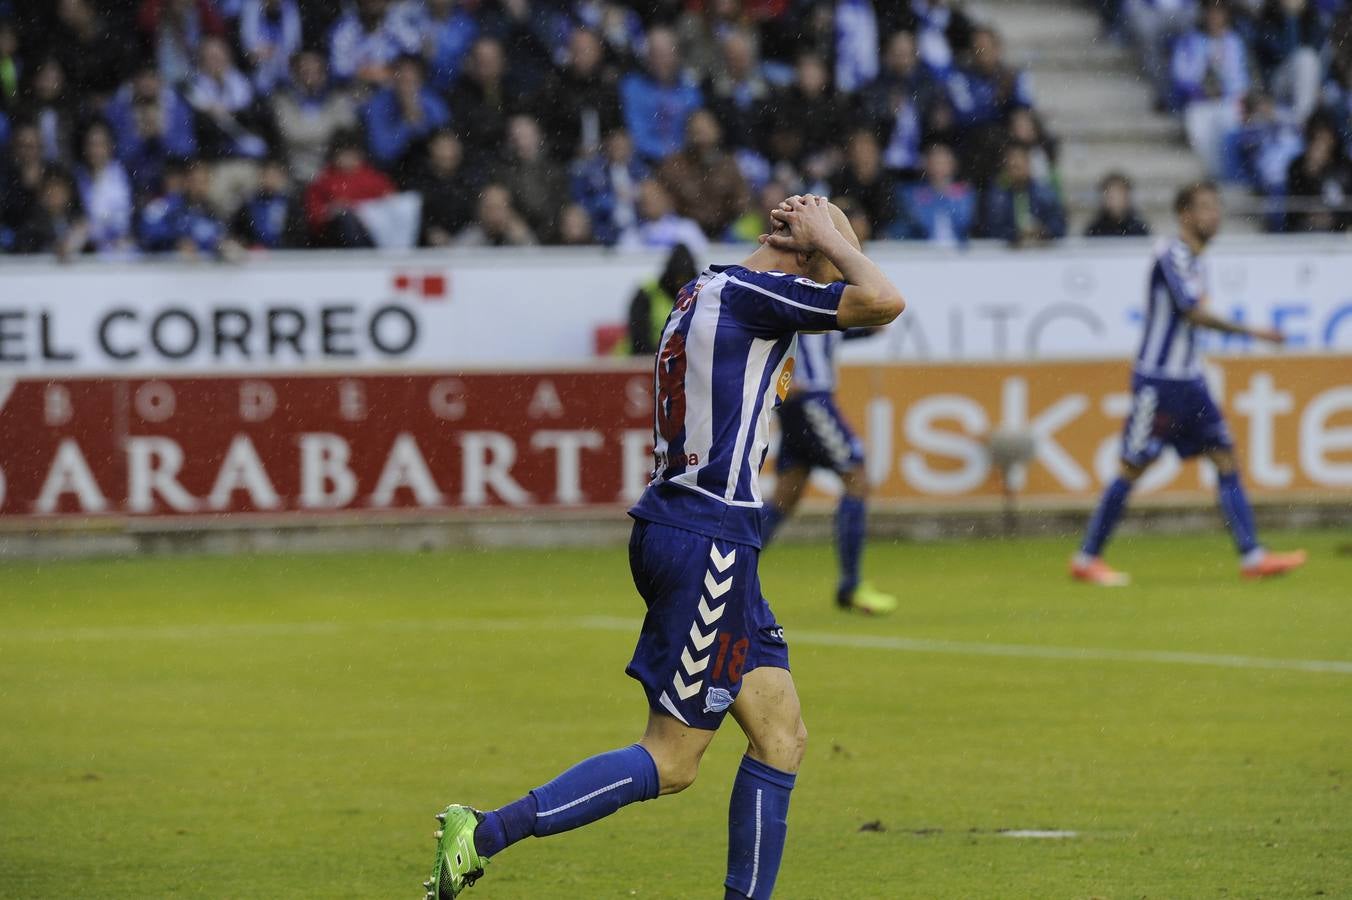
[(207, 446)]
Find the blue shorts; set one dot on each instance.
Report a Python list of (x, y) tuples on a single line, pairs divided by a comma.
[(707, 624), (1170, 413), (816, 435)]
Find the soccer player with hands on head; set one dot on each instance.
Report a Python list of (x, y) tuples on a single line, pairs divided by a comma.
[(1172, 406), (709, 644)]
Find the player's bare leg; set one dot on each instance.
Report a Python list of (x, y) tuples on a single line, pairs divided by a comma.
[(1088, 565), (1255, 560), (676, 750), (852, 592), (768, 711)]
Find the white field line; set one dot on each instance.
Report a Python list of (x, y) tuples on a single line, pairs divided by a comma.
[(214, 631)]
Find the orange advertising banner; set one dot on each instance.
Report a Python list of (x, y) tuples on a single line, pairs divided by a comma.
[(926, 429)]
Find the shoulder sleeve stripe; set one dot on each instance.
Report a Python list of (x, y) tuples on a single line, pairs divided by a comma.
[(782, 299)]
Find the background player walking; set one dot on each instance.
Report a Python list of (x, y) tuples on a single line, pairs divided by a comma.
[(1171, 405), (815, 435), (709, 644)]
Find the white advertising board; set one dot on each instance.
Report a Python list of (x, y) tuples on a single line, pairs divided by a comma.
[(371, 312)]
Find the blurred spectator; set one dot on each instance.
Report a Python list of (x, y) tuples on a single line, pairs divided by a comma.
[(940, 208), (606, 184), (536, 182), (330, 200), (272, 217), (856, 46), (1018, 209), (659, 225), (55, 224), (146, 153), (451, 30), (483, 101), (1260, 150), (498, 224), (1319, 176), (369, 37), (1025, 128), (11, 66), (1338, 98), (897, 100), (755, 218), (865, 181), (147, 91), (1290, 34), (231, 121), (20, 180), (942, 30), (183, 221), (658, 101), (703, 179), (1210, 76), (1116, 216), (448, 198), (807, 118), (738, 92), (270, 35), (175, 28), (984, 92), (702, 33), (309, 114), (105, 191), (575, 226), (1156, 25), (401, 115), (52, 109), (655, 299), (582, 101), (90, 53)]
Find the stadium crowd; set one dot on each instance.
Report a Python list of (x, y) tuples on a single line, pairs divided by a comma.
[(209, 127), (1264, 88)]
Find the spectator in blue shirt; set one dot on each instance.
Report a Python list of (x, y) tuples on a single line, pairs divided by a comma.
[(177, 130), (183, 221), (985, 91), (451, 32), (370, 37), (403, 114), (1290, 35), (272, 218), (657, 102), (940, 208), (606, 184), (1018, 209), (269, 34), (1210, 76)]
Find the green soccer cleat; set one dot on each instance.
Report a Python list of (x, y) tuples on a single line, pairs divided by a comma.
[(869, 600), (458, 864)]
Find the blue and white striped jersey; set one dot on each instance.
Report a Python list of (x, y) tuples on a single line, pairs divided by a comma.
[(725, 361), (815, 371), (1169, 344)]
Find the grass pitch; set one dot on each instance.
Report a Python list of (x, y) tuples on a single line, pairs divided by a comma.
[(287, 726)]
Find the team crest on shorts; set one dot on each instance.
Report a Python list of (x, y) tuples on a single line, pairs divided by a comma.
[(717, 700)]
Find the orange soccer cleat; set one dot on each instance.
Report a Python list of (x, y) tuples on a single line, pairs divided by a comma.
[(1095, 571), (1270, 564)]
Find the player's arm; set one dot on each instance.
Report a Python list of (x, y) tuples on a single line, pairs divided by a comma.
[(1201, 316), (870, 298)]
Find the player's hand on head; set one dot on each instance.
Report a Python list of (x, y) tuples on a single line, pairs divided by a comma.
[(802, 223)]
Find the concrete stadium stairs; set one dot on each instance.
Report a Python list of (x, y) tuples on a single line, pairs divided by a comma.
[(1095, 99)]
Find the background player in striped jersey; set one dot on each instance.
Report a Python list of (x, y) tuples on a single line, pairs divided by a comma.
[(815, 435), (709, 644), (1171, 405)]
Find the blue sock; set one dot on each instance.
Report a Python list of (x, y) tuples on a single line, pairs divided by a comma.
[(590, 790), (1105, 518), (757, 824), (1238, 515), (771, 518), (850, 517)]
